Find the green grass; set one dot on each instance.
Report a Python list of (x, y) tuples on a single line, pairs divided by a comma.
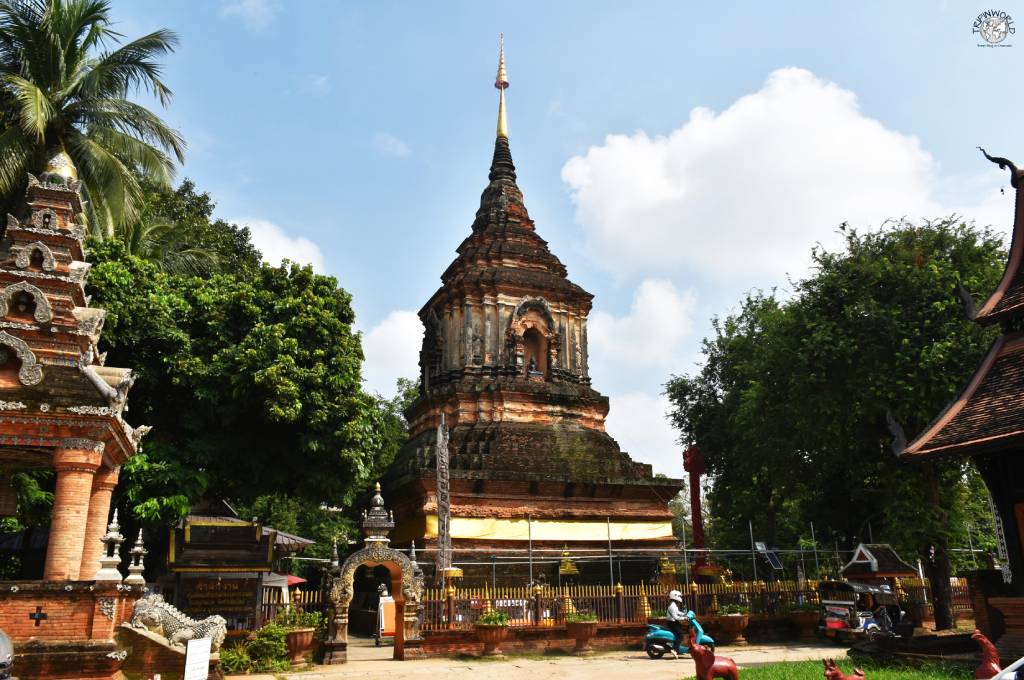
[(814, 670)]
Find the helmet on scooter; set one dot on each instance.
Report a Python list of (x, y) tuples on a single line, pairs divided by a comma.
[(675, 595)]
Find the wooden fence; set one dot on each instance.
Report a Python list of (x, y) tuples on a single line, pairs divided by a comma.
[(458, 608), (273, 601)]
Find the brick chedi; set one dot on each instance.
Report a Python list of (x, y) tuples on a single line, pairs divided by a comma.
[(60, 409), (504, 362)]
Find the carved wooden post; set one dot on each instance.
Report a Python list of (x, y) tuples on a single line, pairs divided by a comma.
[(538, 605), (620, 603)]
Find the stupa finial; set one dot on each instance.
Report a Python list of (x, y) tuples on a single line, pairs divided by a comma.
[(501, 82)]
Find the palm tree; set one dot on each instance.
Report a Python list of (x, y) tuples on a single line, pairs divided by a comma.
[(161, 241), (62, 90)]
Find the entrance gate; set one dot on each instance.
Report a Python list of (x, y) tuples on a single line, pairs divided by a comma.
[(406, 587)]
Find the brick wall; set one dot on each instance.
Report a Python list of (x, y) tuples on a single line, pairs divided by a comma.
[(532, 640), (73, 610)]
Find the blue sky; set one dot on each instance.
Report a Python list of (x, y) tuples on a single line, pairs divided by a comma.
[(675, 155)]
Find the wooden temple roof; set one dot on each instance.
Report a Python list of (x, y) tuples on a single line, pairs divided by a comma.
[(988, 414)]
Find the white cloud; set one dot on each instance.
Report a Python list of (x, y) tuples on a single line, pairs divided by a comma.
[(390, 145), (276, 245), (743, 194), (651, 334), (391, 350), (256, 15), (637, 421), (315, 84)]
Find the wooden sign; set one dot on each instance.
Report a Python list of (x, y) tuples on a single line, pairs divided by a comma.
[(228, 597)]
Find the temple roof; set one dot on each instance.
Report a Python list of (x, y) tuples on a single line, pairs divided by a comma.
[(1007, 301), (986, 415), (876, 560)]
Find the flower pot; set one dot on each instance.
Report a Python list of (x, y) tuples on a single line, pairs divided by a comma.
[(732, 626), (492, 637), (300, 641), (582, 632), (806, 624)]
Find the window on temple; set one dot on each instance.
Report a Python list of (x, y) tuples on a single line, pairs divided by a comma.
[(23, 305), (10, 364), (535, 353), (35, 260)]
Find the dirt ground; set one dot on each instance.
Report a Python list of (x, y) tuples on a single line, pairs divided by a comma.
[(369, 663)]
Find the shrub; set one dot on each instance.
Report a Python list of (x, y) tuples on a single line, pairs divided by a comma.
[(734, 609), (235, 659), (293, 617), (269, 651), (583, 616), (493, 618)]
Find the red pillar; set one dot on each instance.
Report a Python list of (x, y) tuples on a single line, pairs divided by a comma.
[(76, 462), (103, 484), (693, 462)]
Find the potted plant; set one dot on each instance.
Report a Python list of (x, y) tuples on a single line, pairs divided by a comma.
[(805, 617), (492, 629), (581, 627), (301, 627), (733, 619)]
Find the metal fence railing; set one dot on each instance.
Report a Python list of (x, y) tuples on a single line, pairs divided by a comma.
[(459, 608)]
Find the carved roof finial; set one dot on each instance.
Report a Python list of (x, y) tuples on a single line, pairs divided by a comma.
[(1004, 164)]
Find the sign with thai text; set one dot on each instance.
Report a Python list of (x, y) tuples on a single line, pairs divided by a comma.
[(228, 597)]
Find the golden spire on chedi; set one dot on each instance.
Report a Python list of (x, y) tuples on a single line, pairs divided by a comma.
[(501, 82)]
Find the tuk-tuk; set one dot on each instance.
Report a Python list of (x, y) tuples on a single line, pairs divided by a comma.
[(851, 611)]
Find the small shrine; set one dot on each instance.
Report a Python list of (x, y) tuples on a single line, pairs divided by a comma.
[(984, 422), (217, 563), (61, 408), (877, 564)]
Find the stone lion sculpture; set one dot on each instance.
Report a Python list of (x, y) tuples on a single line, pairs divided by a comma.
[(153, 614)]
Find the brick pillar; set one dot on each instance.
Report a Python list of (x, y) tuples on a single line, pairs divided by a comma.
[(76, 462), (99, 510)]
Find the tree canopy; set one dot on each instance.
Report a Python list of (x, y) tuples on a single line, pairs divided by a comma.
[(67, 85), (790, 405)]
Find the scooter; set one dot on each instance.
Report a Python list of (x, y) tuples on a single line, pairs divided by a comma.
[(660, 640)]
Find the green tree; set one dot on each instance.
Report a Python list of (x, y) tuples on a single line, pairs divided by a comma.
[(790, 406), (63, 91), (252, 386)]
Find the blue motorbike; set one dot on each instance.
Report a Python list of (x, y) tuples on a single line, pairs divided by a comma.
[(660, 640)]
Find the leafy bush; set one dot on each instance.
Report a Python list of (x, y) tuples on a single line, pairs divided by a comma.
[(294, 617), (582, 616), (235, 659), (734, 609), (269, 651), (493, 618)]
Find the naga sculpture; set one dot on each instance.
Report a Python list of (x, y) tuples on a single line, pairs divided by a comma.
[(153, 614)]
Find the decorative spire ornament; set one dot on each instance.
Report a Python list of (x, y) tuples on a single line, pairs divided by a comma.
[(135, 564), (111, 557), (501, 83)]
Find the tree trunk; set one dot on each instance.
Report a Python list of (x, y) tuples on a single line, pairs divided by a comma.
[(937, 566)]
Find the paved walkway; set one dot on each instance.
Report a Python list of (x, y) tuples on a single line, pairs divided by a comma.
[(369, 663)]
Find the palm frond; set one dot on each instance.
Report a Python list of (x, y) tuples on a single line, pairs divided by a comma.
[(130, 118), (130, 67), (151, 162), (35, 109), (16, 154), (105, 176)]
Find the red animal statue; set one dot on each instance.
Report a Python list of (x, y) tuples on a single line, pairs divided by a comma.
[(989, 667), (710, 666), (833, 672)]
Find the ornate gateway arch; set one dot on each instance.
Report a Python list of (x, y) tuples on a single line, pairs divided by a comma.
[(406, 586)]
